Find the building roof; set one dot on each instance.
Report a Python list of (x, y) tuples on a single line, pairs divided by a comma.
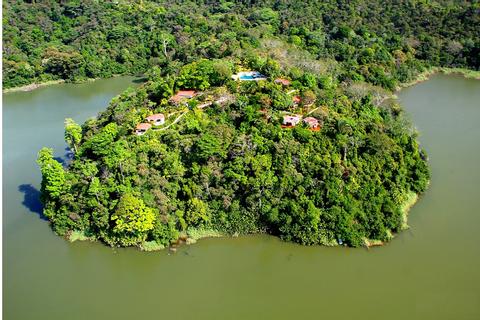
[(291, 118), (155, 117), (186, 93), (183, 94), (311, 121), (297, 99), (283, 81), (143, 126)]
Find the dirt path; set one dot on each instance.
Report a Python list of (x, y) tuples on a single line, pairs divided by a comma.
[(171, 124), (313, 110)]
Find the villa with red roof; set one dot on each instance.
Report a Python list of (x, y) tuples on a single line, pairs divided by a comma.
[(142, 128), (182, 95), (156, 119)]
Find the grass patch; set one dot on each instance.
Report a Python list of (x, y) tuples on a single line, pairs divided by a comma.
[(372, 243), (77, 235), (470, 74), (195, 234), (151, 246), (409, 202)]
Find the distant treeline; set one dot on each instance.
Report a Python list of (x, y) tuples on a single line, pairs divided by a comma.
[(380, 42)]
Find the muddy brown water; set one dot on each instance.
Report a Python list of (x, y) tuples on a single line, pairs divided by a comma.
[(431, 271)]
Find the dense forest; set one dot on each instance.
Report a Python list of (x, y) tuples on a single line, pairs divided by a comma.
[(380, 42), (224, 161)]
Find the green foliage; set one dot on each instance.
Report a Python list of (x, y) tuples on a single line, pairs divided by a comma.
[(132, 220), (388, 43), (73, 134), (197, 213), (231, 167), (53, 182)]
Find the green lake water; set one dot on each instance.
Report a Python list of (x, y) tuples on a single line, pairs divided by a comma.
[(431, 271)]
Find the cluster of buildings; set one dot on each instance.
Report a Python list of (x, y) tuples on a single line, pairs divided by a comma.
[(182, 96), (290, 121), (154, 120), (158, 119)]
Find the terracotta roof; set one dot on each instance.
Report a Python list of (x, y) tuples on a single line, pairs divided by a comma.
[(143, 126), (155, 117), (183, 94), (297, 99), (186, 93), (285, 82)]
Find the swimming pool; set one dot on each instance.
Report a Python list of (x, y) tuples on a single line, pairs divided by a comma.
[(249, 76)]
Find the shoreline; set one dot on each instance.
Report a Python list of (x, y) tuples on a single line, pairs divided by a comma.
[(188, 237), (425, 75), (37, 85), (191, 236), (32, 86), (410, 201)]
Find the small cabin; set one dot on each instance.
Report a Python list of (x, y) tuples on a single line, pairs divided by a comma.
[(142, 128), (312, 123), (282, 81), (156, 119), (291, 121), (182, 95)]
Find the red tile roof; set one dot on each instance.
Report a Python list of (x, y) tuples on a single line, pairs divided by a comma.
[(284, 82), (183, 94), (155, 117), (143, 126), (297, 99)]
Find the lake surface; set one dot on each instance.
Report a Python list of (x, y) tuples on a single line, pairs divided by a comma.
[(431, 271)]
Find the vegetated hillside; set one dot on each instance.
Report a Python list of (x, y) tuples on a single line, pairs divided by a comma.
[(381, 42), (223, 161)]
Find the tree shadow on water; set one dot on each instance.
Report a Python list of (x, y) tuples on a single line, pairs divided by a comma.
[(61, 160), (31, 199)]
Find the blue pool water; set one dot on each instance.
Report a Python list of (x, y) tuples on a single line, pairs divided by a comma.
[(251, 76), (247, 77)]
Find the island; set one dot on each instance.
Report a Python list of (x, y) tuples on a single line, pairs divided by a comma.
[(274, 117), (201, 153)]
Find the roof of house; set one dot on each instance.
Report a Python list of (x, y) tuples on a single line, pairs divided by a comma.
[(311, 121), (291, 118), (155, 117), (183, 94), (283, 81), (186, 93), (297, 99), (143, 126)]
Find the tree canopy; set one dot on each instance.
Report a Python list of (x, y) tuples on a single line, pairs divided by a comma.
[(380, 42), (230, 166)]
